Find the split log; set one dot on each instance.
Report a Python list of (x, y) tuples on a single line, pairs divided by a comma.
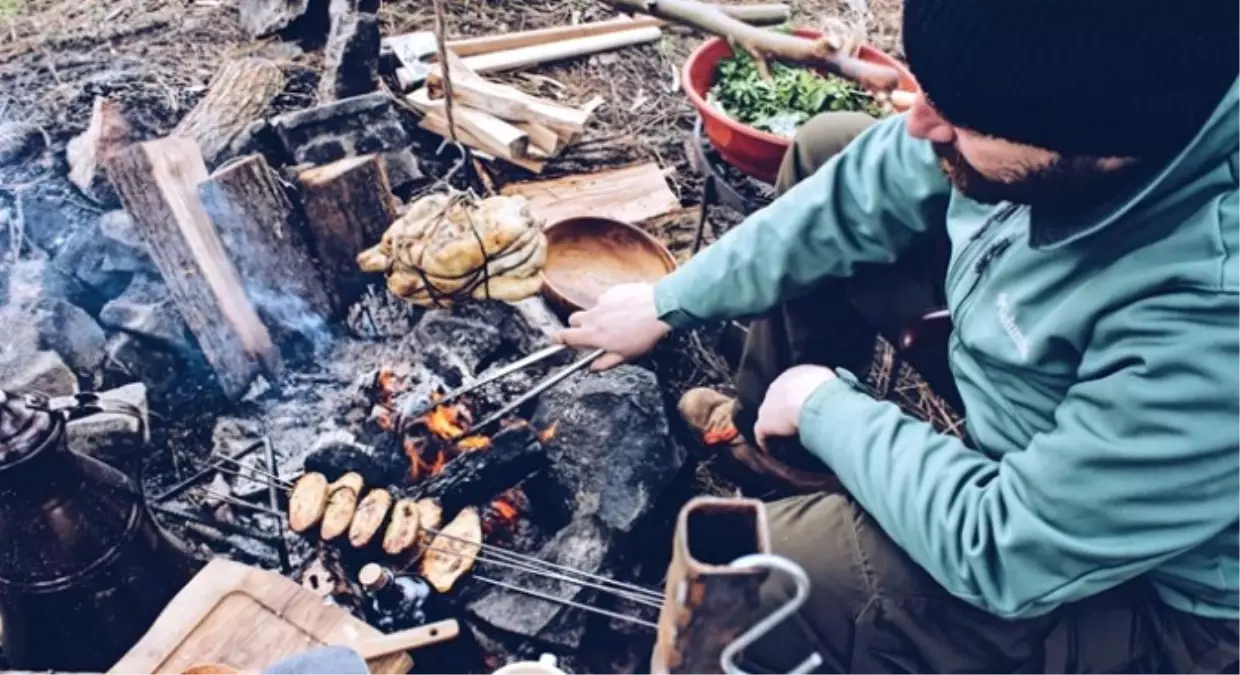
[(766, 44), (261, 18), (629, 194), (263, 234), (508, 103), (351, 58), (542, 138), (348, 206), (475, 477), (86, 153), (511, 59), (493, 132), (436, 122), (158, 183), (239, 94)]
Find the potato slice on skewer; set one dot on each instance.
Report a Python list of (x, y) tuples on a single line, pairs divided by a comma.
[(341, 502), (451, 552), (307, 502), (371, 512), (402, 531)]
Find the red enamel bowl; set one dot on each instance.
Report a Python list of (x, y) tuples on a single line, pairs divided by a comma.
[(756, 153)]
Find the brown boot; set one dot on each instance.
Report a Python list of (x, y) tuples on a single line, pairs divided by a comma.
[(709, 414)]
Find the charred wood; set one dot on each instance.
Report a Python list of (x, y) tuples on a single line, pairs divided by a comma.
[(477, 476)]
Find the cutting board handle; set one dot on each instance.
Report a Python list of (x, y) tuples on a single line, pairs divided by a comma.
[(405, 640)]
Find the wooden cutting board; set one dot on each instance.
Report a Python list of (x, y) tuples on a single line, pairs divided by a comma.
[(246, 618)]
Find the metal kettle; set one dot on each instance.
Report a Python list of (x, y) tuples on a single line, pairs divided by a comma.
[(84, 568)]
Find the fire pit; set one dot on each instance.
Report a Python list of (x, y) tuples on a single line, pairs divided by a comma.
[(570, 545)]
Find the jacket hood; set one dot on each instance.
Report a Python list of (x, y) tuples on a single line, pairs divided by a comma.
[(1216, 142)]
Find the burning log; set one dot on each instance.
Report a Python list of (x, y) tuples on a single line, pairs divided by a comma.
[(475, 477), (158, 183), (262, 232), (239, 94), (348, 205), (341, 503), (451, 553), (369, 518), (307, 502)]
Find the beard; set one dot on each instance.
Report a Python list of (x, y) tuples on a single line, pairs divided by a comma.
[(1065, 182)]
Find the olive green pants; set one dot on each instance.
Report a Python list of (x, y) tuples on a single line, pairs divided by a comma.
[(871, 608)]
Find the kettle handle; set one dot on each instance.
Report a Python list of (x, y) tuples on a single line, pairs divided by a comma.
[(89, 403)]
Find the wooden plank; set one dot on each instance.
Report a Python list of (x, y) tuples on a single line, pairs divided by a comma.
[(507, 103), (495, 133), (542, 138), (348, 206), (158, 183), (488, 44), (264, 236), (245, 618), (630, 194)]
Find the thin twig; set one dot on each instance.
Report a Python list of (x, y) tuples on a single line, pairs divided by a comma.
[(441, 31)]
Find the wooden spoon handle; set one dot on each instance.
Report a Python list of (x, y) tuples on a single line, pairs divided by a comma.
[(400, 641), (872, 76)]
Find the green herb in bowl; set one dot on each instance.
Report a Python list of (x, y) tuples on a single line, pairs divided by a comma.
[(787, 100)]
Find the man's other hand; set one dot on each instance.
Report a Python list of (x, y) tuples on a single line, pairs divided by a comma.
[(623, 321), (781, 409)]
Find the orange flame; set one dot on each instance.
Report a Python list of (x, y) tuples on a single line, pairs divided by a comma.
[(385, 419), (440, 460), (444, 421), (505, 510), (547, 434), (473, 443)]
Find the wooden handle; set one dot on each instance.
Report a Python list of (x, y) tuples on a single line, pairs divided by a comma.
[(554, 51), (869, 75), (405, 640), (495, 43)]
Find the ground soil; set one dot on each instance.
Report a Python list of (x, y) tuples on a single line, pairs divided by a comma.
[(156, 56)]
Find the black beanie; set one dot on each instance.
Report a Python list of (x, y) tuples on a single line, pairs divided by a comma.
[(1126, 78)]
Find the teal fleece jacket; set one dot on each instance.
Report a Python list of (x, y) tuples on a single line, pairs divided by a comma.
[(1098, 357)]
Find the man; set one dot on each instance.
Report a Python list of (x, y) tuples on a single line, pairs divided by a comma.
[(1081, 160)]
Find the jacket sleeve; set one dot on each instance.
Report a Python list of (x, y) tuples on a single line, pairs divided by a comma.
[(863, 206), (1140, 466)]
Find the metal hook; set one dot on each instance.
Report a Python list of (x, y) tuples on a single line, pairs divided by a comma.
[(766, 625)]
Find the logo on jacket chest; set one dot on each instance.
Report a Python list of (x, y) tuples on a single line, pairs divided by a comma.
[(1007, 318)]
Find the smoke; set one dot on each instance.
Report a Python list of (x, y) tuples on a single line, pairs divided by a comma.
[(292, 320)]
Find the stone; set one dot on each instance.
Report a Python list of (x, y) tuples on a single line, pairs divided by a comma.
[(83, 258), (583, 545), (470, 340), (259, 138), (43, 372), (351, 58), (68, 330), (19, 141), (135, 358), (26, 282), (147, 310), (611, 454), (113, 437), (367, 121), (124, 249)]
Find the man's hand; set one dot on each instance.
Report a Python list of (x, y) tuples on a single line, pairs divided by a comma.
[(780, 410), (624, 322)]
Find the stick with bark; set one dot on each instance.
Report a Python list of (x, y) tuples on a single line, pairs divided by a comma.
[(766, 44)]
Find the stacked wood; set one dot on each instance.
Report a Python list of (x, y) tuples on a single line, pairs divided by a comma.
[(498, 120), (158, 184)]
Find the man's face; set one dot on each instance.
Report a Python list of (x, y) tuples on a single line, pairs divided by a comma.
[(991, 170)]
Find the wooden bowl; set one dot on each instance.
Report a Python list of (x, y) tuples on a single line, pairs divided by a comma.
[(586, 256)]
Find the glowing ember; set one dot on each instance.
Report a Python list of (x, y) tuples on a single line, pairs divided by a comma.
[(547, 434), (385, 418), (440, 460), (388, 384), (717, 436), (504, 509), (473, 443)]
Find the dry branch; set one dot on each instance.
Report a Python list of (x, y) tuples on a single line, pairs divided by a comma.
[(766, 44)]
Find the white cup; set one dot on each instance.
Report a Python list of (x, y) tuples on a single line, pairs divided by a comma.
[(545, 665)]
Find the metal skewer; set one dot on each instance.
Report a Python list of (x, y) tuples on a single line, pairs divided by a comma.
[(487, 378), (273, 500), (552, 575), (546, 383), (519, 558), (569, 603)]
